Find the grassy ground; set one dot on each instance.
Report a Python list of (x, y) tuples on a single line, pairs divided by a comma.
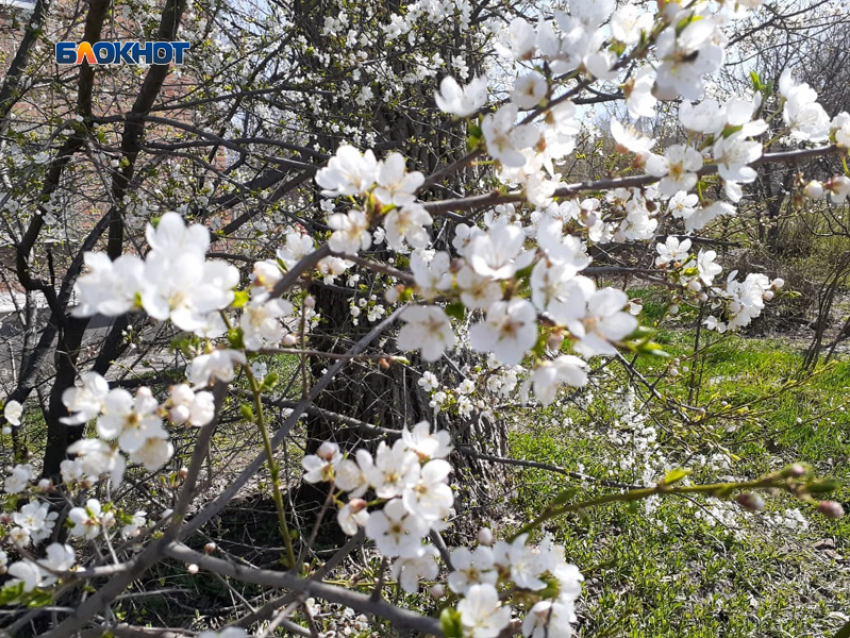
[(701, 567)]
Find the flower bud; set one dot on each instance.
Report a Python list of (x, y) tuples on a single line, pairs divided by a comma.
[(794, 471), (327, 451), (694, 285), (778, 283), (44, 484), (485, 536), (309, 301), (750, 502), (5, 518), (289, 340), (357, 505), (673, 310), (438, 591), (839, 186), (831, 509), (814, 190), (192, 569), (209, 548), (768, 295), (384, 363), (183, 472), (179, 414), (555, 340), (7, 429), (703, 296), (391, 295)]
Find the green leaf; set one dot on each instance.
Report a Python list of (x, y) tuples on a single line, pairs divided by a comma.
[(450, 622), (234, 336), (11, 593), (674, 476), (730, 130), (456, 310), (757, 85), (565, 496), (247, 412), (844, 632), (39, 598), (821, 486), (651, 348), (270, 380), (240, 298)]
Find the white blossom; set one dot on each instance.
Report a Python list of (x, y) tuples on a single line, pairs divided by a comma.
[(407, 225), (218, 365), (18, 479), (427, 329), (351, 232), (481, 613), (420, 565), (509, 330), (461, 101), (13, 411), (395, 531), (348, 172), (85, 402), (505, 139)]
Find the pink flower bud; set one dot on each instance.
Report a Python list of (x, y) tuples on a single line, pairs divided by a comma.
[(327, 451), (795, 470), (438, 591), (289, 340), (831, 509), (357, 505), (309, 301), (209, 548), (750, 502)]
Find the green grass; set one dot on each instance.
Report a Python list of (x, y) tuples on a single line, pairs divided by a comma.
[(670, 569)]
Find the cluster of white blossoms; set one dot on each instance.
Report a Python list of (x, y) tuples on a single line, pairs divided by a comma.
[(128, 424), (410, 478), (490, 258), (175, 280), (743, 301), (409, 481), (43, 572), (816, 125), (739, 302), (563, 305), (132, 425)]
